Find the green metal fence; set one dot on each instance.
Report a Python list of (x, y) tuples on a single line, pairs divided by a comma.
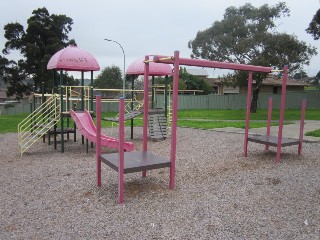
[(232, 101), (238, 101)]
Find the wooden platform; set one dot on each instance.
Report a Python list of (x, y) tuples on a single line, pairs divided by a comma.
[(273, 140), (136, 161)]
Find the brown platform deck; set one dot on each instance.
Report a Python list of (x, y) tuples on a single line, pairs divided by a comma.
[(136, 161), (273, 140)]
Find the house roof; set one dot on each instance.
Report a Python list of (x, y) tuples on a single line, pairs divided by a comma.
[(198, 72), (271, 80), (275, 81), (3, 95)]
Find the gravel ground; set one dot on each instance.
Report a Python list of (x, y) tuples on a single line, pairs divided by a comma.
[(219, 194)]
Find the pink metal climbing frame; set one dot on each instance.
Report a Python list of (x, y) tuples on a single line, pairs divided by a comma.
[(277, 141), (127, 162)]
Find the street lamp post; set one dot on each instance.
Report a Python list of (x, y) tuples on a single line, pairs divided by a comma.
[(124, 66)]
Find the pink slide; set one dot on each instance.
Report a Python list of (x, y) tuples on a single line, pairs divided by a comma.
[(87, 128)]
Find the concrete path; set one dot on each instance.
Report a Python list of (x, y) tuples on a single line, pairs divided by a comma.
[(289, 130)]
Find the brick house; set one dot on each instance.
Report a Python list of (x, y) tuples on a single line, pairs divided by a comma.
[(272, 84)]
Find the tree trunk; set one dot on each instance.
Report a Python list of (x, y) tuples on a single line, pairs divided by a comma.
[(254, 101)]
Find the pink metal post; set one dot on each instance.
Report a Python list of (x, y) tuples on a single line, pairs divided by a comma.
[(214, 64), (98, 142), (303, 110), (121, 151), (282, 106), (146, 109), (174, 120), (248, 114), (269, 121)]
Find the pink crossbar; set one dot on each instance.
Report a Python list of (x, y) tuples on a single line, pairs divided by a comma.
[(87, 128)]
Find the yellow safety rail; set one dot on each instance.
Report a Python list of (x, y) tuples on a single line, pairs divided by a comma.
[(38, 123), (75, 94)]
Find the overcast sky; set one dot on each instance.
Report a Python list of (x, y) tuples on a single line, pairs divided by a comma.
[(148, 26)]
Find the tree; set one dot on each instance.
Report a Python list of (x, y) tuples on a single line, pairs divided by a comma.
[(45, 35), (247, 35), (109, 78), (193, 82), (314, 26), (162, 81), (187, 81)]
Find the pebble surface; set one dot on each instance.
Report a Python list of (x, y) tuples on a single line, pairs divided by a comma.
[(219, 193)]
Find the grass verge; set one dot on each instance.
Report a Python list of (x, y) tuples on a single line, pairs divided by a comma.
[(315, 133)]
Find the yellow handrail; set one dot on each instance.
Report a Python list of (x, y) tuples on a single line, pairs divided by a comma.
[(38, 123)]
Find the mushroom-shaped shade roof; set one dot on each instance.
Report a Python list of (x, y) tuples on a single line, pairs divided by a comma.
[(73, 58), (155, 69)]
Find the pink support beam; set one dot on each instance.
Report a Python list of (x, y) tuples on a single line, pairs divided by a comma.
[(282, 106), (213, 64), (248, 114), (98, 141), (146, 109), (174, 120), (303, 111), (121, 151), (269, 121)]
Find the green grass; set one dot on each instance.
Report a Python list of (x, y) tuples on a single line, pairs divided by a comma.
[(290, 114), (315, 133), (9, 123)]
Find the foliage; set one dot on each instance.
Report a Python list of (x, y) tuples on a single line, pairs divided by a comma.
[(314, 26), (188, 81), (135, 79), (109, 78), (161, 80), (194, 83), (247, 35), (45, 35)]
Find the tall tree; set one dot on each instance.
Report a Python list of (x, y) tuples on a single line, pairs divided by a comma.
[(187, 81), (45, 35), (314, 26), (109, 78), (194, 82), (248, 35)]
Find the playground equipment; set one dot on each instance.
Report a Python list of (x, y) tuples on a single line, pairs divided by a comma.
[(87, 128), (280, 142), (144, 160), (66, 98), (70, 58), (268, 140), (160, 121), (38, 123)]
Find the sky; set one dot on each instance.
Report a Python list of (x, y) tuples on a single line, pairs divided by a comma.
[(149, 27)]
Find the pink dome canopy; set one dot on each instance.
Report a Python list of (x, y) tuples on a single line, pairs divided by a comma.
[(73, 58), (155, 69)]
